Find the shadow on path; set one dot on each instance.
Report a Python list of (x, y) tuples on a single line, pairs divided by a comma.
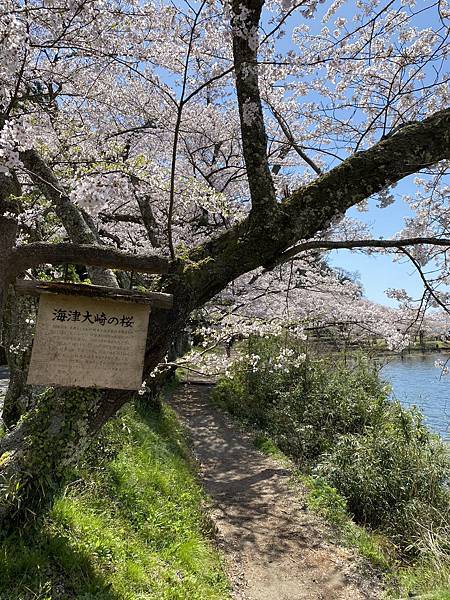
[(275, 549)]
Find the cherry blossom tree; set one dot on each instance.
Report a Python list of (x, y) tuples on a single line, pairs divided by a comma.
[(202, 143)]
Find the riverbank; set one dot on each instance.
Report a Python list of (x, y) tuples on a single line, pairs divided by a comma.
[(364, 457)]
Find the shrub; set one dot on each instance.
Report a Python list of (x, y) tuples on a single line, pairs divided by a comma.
[(254, 383), (325, 402), (394, 477), (304, 403), (337, 422)]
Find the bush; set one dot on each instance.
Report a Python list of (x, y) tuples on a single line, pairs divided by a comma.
[(305, 404), (394, 477), (253, 385), (325, 402), (337, 422)]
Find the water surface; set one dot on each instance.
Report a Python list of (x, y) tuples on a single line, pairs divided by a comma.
[(416, 381)]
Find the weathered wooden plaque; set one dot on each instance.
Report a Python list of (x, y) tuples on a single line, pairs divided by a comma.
[(89, 342)]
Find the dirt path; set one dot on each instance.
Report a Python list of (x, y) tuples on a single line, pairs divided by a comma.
[(274, 548)]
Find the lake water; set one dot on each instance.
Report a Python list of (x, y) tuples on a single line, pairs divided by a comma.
[(415, 380)]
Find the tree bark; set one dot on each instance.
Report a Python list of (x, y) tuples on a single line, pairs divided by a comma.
[(245, 24), (17, 341), (8, 234), (72, 218)]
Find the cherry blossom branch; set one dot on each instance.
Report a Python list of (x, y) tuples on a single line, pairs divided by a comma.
[(421, 310), (46, 181), (176, 133), (282, 21), (71, 217), (425, 282), (290, 137), (208, 82)]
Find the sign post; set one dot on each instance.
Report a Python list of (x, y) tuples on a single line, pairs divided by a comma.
[(83, 340)]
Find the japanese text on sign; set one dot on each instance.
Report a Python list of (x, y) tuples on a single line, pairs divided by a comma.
[(60, 314)]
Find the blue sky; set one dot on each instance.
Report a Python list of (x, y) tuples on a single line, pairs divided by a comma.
[(380, 272)]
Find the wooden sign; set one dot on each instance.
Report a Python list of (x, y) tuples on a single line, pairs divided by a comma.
[(89, 342)]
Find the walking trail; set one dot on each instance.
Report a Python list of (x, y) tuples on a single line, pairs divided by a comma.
[(274, 548)]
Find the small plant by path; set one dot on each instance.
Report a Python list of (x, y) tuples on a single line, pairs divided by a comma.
[(275, 548)]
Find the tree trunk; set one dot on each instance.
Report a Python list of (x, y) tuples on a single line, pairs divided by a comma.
[(8, 234), (35, 454), (19, 315)]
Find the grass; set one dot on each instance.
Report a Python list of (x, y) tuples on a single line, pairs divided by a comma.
[(324, 500), (328, 503), (426, 581), (129, 525)]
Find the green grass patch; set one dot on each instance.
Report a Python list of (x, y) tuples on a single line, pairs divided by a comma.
[(426, 579), (129, 526), (324, 500), (267, 446)]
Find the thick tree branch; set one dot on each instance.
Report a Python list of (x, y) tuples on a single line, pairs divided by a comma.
[(44, 178), (311, 208), (72, 219), (352, 244), (415, 147), (32, 255)]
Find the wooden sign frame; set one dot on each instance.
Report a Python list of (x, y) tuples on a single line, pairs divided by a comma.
[(35, 288), (89, 342), (95, 349)]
